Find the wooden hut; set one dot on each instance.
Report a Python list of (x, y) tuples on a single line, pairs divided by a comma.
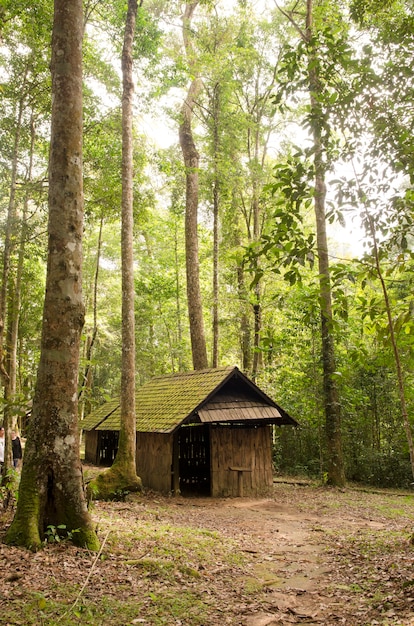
[(205, 432)]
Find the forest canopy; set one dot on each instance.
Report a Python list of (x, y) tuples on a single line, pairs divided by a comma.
[(301, 125)]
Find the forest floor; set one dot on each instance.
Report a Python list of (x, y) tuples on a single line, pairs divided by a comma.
[(305, 555)]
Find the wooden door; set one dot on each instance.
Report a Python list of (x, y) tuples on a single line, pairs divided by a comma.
[(194, 460)]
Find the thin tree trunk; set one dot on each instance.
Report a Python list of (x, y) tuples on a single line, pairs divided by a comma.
[(216, 211), (191, 161), (244, 307), (91, 338), (336, 475), (400, 377), (257, 305), (10, 229), (13, 319), (215, 357), (127, 435), (178, 300), (122, 475), (51, 487)]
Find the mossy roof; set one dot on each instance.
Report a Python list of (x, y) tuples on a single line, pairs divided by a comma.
[(166, 402)]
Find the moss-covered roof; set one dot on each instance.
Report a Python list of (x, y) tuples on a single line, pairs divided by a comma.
[(166, 402)]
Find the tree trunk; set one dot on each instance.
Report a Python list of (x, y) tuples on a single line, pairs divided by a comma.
[(257, 304), (245, 331), (191, 161), (336, 475), (125, 459), (87, 379), (10, 231), (400, 376), (51, 488), (122, 475), (178, 316), (215, 358), (13, 318), (216, 215)]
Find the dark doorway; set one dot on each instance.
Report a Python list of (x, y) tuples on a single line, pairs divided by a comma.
[(194, 460), (107, 447)]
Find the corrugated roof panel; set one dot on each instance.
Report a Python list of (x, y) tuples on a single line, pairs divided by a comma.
[(239, 414)]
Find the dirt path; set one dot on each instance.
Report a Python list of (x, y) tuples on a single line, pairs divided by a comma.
[(287, 558), (295, 542), (289, 564)]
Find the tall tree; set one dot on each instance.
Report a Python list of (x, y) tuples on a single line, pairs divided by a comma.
[(122, 474), (336, 474), (51, 488), (10, 225), (389, 115), (319, 128), (191, 161), (6, 294), (236, 107), (13, 318)]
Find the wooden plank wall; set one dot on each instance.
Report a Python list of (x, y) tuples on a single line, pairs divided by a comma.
[(154, 459), (248, 448), (91, 447)]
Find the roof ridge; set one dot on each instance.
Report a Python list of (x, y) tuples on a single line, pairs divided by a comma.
[(209, 370)]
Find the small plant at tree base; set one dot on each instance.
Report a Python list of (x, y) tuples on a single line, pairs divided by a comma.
[(120, 495), (56, 534), (91, 492)]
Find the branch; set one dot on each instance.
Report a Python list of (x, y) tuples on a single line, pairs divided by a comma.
[(292, 21), (87, 578)]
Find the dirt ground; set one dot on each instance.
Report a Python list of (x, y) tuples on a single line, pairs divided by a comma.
[(305, 555)]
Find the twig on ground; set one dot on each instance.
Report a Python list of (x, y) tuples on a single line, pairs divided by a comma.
[(87, 578)]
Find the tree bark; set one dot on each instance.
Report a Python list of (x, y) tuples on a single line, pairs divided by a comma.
[(13, 319), (10, 230), (125, 459), (257, 304), (191, 161), (87, 378), (216, 104), (51, 489), (336, 475), (400, 375), (245, 331), (122, 475), (178, 316)]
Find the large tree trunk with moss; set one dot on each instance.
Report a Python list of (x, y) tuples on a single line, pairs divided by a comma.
[(122, 476), (51, 489), (191, 160)]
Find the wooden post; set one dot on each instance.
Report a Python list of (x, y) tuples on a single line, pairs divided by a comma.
[(176, 465), (240, 471)]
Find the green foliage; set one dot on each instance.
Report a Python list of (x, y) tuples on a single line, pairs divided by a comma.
[(255, 75), (56, 534), (9, 487)]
